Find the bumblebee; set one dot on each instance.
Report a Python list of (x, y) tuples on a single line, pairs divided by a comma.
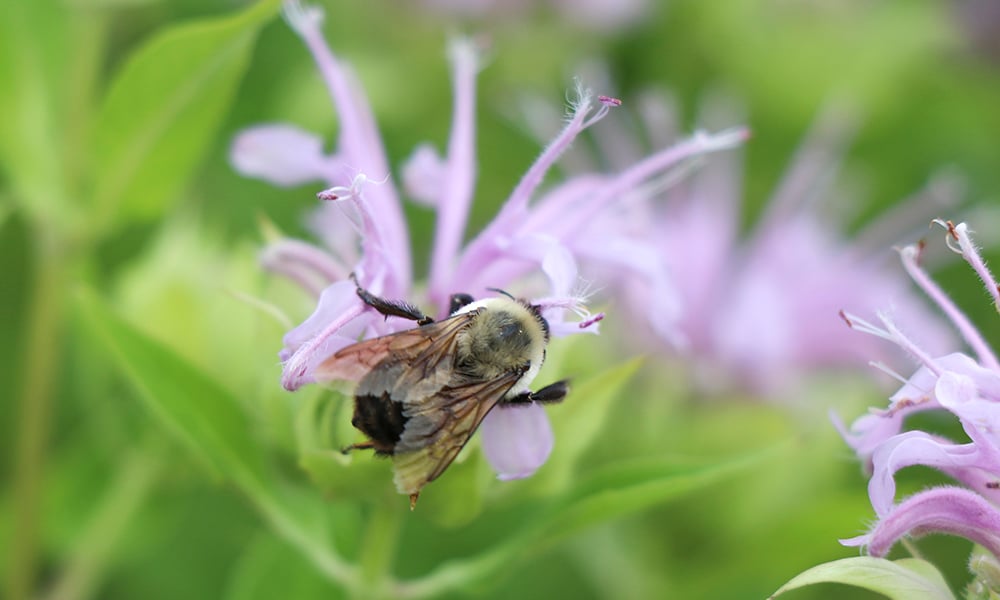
[(421, 393)]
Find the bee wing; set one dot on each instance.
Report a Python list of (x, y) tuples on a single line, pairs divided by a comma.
[(440, 425), (421, 347)]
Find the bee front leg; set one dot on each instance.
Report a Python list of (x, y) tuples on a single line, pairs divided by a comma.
[(550, 394), (391, 308)]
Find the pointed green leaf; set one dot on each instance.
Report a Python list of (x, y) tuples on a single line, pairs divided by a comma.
[(198, 410), (209, 420), (899, 580), (618, 490), (578, 421), (163, 108)]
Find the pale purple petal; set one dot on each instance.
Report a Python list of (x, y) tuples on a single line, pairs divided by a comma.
[(517, 439), (460, 174), (970, 253), (515, 209), (424, 175), (948, 510), (333, 325), (307, 265), (868, 432), (908, 449), (910, 256), (281, 154), (359, 145), (754, 333), (638, 269)]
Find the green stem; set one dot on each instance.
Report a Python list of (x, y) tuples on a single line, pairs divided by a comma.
[(124, 496), (43, 327), (378, 549)]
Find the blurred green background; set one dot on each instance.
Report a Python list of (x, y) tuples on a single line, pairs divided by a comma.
[(149, 450)]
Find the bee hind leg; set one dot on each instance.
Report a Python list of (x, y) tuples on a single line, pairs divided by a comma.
[(391, 308), (366, 445), (550, 394)]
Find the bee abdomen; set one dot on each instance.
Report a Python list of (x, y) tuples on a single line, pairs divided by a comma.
[(381, 419)]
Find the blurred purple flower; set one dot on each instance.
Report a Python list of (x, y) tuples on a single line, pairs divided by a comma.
[(967, 386), (756, 310), (363, 229)]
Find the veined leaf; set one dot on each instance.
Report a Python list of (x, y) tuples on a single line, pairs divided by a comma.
[(163, 108), (902, 579)]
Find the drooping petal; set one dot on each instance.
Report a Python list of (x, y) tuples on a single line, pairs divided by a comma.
[(907, 449), (283, 155), (517, 440), (333, 325), (307, 265), (950, 510)]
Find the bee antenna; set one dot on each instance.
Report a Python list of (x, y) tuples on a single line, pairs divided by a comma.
[(499, 291)]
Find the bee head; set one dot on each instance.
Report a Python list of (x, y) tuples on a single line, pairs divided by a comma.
[(534, 309)]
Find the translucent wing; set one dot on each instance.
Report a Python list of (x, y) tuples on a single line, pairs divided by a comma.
[(421, 347), (440, 425)]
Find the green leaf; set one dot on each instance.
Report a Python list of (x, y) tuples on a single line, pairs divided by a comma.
[(205, 416), (578, 421), (615, 491), (903, 579), (33, 68), (253, 578), (163, 109), (208, 419)]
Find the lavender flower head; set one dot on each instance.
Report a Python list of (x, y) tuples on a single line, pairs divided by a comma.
[(530, 247), (757, 310), (965, 385)]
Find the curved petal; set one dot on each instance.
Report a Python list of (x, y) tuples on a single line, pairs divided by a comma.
[(517, 439), (333, 325), (281, 154), (423, 175), (950, 510), (913, 448)]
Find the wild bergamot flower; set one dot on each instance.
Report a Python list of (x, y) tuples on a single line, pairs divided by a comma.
[(533, 245), (967, 385)]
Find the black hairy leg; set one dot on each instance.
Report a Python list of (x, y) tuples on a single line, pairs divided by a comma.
[(550, 394), (391, 308)]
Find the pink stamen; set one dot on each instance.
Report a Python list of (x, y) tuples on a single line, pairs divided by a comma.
[(608, 100), (595, 319)]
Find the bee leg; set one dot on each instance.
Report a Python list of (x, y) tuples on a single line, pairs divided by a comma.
[(391, 308), (366, 445), (552, 393), (413, 500)]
